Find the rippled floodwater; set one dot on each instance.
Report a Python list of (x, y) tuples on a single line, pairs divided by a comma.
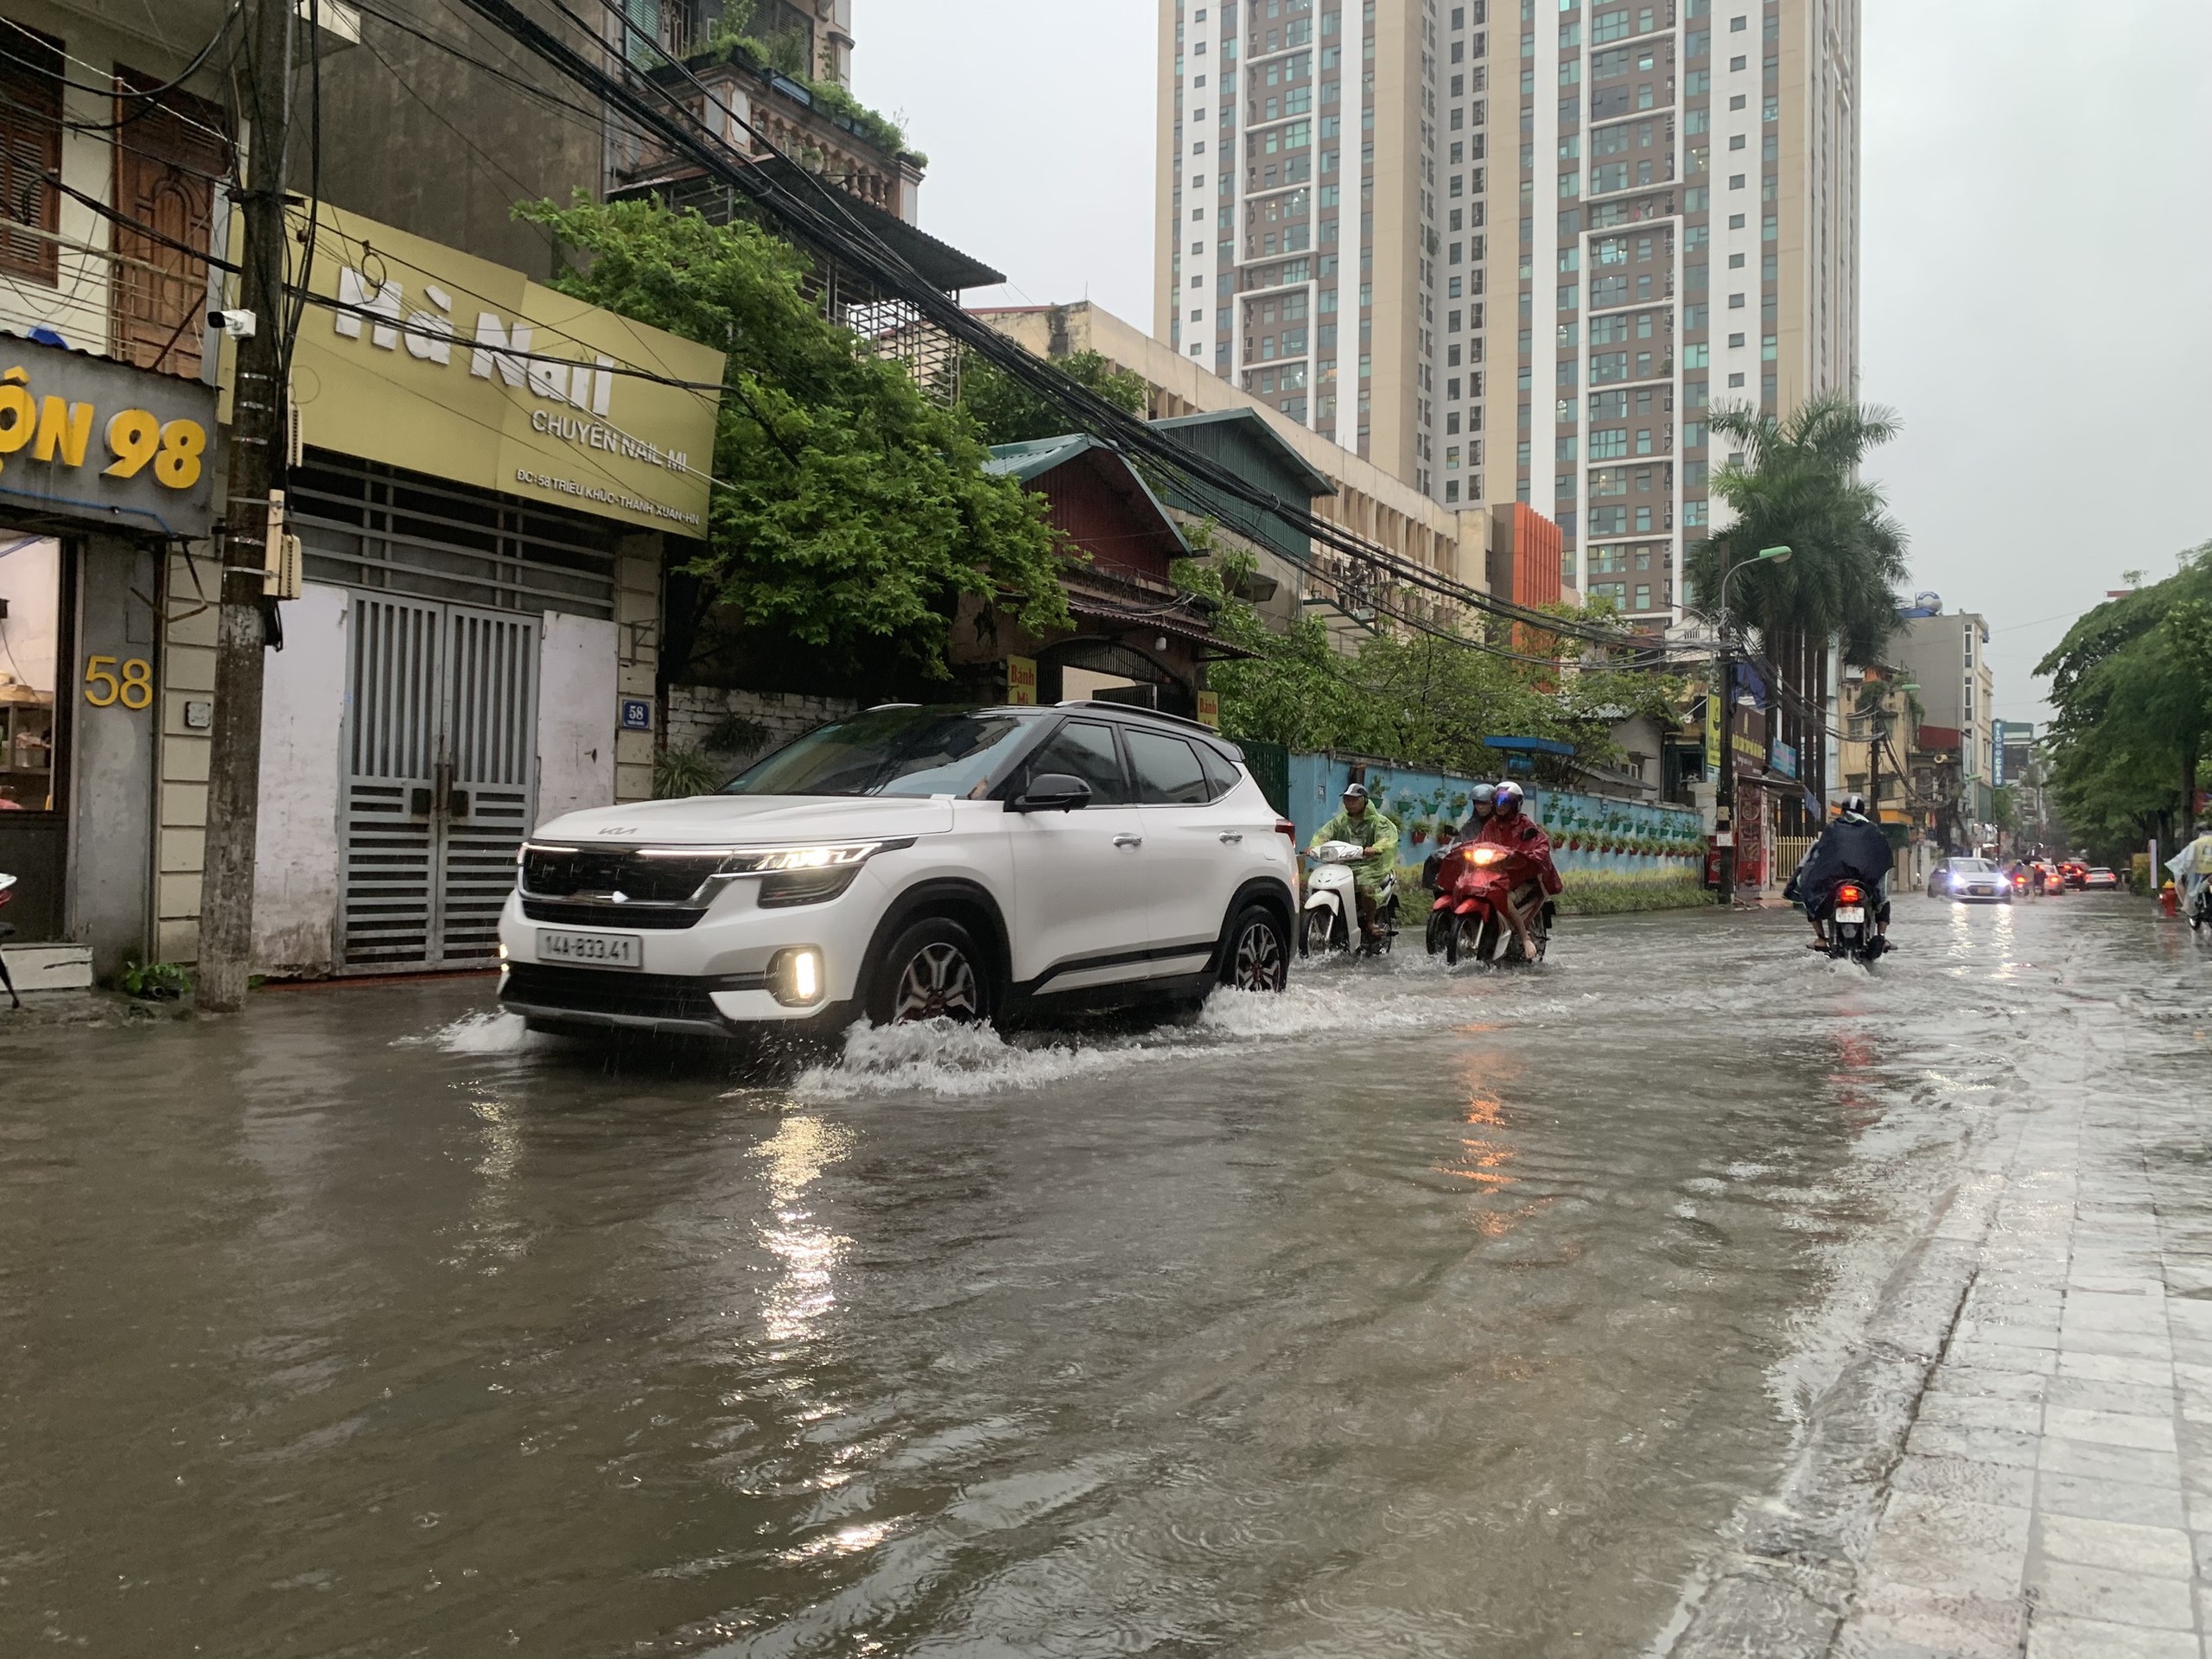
[(1411, 1312)]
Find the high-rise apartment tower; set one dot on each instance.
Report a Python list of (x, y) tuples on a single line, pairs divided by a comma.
[(1681, 231)]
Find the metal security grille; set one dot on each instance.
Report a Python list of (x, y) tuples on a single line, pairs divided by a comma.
[(441, 779), (366, 525)]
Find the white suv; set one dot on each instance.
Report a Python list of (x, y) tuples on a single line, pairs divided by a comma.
[(909, 864)]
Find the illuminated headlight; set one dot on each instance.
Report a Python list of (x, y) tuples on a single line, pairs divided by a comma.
[(794, 976), (801, 858), (804, 875), (503, 951)]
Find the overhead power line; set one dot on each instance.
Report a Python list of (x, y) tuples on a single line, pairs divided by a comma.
[(819, 221)]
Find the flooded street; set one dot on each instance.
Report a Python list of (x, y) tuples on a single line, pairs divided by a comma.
[(1411, 1312)]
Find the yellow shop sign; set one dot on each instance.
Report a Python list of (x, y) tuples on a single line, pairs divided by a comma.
[(427, 358), (84, 438)]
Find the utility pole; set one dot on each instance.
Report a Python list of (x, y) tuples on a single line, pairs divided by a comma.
[(1724, 798), (257, 463)]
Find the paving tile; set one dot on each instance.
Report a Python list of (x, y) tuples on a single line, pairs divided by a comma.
[(2096, 1312), (2191, 1350), (1980, 1444), (2160, 1552), (2118, 1598), (1981, 1411), (2052, 1637), (2117, 1368), (2133, 1501), (1979, 1483), (2130, 1344), (1998, 1385), (2011, 1334), (2095, 1394), (1962, 1626), (1995, 1357), (2065, 1457), (2110, 1427), (1951, 1546)]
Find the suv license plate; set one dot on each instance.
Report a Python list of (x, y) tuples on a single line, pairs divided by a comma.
[(1847, 914), (591, 949)]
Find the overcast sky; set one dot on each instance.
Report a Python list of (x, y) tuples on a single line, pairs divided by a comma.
[(2036, 172)]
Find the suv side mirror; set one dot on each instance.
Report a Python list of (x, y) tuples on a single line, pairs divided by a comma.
[(1051, 792)]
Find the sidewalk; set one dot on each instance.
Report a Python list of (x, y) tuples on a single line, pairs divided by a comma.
[(2055, 1494), (2018, 1459)]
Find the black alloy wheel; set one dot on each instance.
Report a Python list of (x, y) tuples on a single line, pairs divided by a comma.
[(1258, 958), (933, 970)]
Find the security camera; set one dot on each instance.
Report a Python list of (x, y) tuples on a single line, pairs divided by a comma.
[(238, 324)]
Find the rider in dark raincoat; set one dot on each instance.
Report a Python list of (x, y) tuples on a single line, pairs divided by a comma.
[(1853, 848)]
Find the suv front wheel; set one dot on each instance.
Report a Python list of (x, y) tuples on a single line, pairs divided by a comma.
[(1258, 958), (934, 969)]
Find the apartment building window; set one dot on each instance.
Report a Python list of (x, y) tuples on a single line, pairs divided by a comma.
[(31, 148)]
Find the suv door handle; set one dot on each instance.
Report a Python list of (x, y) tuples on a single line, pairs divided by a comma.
[(1229, 836), (1127, 840)]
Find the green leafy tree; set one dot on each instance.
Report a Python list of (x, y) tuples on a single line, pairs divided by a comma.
[(1798, 487), (850, 516), (2131, 681), (1007, 411), (1417, 699)]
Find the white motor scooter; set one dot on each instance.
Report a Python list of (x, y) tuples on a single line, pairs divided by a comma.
[(1331, 920)]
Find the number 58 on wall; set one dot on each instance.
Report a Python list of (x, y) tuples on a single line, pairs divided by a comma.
[(103, 688)]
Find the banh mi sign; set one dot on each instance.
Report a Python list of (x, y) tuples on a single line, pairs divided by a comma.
[(435, 360)]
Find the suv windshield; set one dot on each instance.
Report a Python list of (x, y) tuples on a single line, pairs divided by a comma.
[(889, 752)]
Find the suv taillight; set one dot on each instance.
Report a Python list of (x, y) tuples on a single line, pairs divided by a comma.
[(1285, 827)]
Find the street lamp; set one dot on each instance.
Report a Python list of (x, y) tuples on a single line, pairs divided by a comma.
[(1724, 816)]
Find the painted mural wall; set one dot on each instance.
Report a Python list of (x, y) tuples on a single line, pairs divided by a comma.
[(1588, 832)]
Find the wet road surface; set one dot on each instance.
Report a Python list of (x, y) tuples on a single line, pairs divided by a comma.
[(1411, 1312)]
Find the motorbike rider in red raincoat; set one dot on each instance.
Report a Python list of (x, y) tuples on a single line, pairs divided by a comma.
[(1510, 827)]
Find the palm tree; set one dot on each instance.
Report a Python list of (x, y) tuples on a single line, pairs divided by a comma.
[(1795, 483)]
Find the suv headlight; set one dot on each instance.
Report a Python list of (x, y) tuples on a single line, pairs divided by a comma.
[(805, 875)]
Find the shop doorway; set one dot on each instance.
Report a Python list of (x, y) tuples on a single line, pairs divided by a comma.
[(34, 777), (439, 760)]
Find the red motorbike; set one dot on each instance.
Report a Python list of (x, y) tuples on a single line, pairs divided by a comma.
[(1468, 918)]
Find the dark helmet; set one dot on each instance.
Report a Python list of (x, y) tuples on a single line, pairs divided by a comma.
[(1853, 806)]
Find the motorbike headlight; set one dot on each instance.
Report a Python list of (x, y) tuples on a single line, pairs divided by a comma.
[(1482, 855)]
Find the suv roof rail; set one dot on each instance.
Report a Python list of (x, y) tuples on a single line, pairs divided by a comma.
[(1139, 708)]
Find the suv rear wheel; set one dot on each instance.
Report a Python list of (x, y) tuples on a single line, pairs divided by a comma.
[(1258, 958), (934, 969)]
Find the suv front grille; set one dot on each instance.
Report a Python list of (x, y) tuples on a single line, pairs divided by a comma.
[(611, 991), (660, 879)]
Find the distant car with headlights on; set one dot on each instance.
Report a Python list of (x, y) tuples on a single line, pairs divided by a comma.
[(2097, 879), (1970, 880), (910, 863)]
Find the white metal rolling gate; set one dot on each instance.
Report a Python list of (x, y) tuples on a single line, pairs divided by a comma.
[(441, 779)]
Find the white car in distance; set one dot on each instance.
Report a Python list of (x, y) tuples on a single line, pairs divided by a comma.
[(912, 863)]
